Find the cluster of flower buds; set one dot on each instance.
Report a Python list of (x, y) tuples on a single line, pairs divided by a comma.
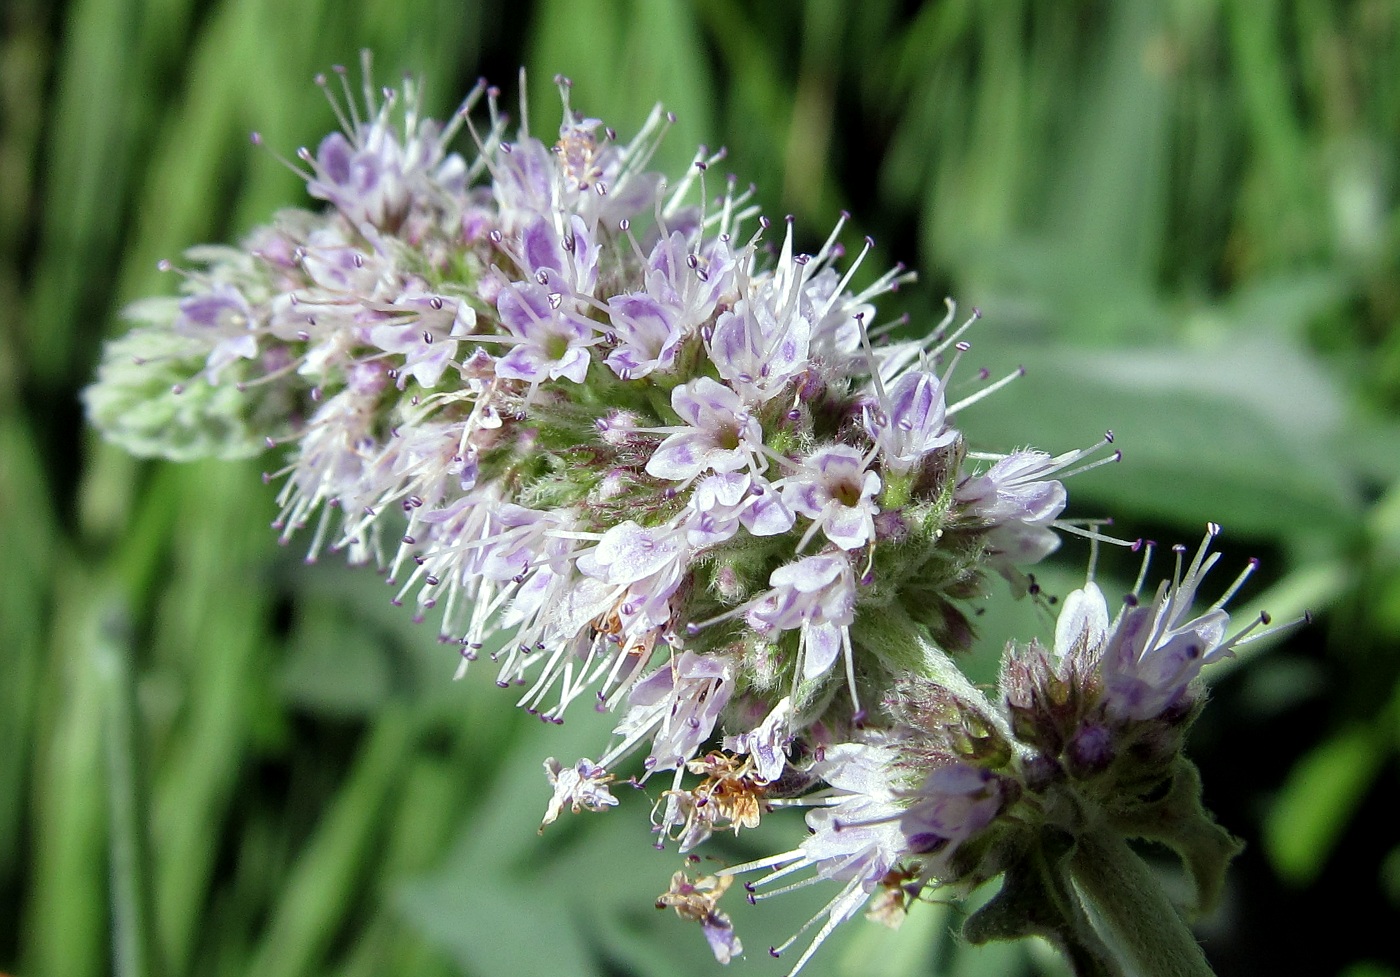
[(636, 448)]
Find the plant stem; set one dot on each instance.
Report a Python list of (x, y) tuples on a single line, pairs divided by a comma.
[(1127, 901), (133, 942)]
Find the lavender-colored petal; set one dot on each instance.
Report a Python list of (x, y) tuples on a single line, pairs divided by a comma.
[(522, 307), (679, 457), (809, 574), (627, 552), (848, 528), (334, 155), (702, 398), (719, 933), (823, 646), (765, 515), (573, 365), (523, 362), (539, 244)]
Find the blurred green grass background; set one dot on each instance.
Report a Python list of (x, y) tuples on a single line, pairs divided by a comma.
[(1180, 216)]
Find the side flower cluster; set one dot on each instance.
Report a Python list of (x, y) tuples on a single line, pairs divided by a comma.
[(635, 447)]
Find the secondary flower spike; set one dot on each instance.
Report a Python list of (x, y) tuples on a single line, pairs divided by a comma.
[(626, 443)]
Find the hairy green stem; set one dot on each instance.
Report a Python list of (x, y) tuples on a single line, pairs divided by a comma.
[(1128, 902)]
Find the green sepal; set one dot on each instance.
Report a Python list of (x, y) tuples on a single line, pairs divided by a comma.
[(896, 490)]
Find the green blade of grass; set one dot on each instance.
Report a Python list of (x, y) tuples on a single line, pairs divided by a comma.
[(66, 922), (326, 880), (134, 949)]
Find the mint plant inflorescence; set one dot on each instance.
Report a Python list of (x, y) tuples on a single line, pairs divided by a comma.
[(639, 451)]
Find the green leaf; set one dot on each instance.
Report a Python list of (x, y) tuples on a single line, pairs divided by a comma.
[(207, 682), (1243, 434), (66, 917), (1037, 900), (1180, 821), (326, 880), (31, 535), (1312, 811), (135, 950)]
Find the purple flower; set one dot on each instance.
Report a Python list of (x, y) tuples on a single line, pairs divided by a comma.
[(867, 825), (222, 318), (564, 261), (524, 174), (1015, 489), (721, 504), (817, 595), (690, 274), (1016, 501), (1149, 664), (377, 180), (421, 330), (855, 835), (514, 541), (836, 334), (365, 184), (602, 181), (1155, 650), (837, 491), (554, 341), (337, 452), (681, 290), (428, 463), (721, 435), (1149, 656), (758, 348), (955, 803), (911, 421), (648, 335), (376, 176), (599, 181), (719, 934), (646, 566), (678, 705), (338, 267), (628, 552), (599, 522)]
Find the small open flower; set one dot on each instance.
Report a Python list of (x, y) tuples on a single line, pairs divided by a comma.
[(913, 421), (836, 490), (1155, 650), (722, 436), (816, 596)]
